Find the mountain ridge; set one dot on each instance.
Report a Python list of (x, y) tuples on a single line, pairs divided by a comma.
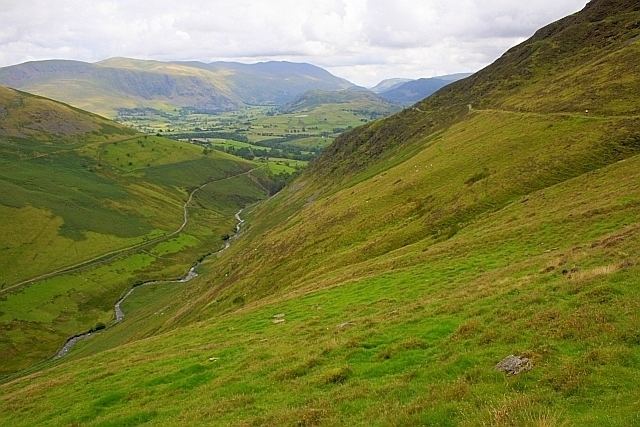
[(105, 86)]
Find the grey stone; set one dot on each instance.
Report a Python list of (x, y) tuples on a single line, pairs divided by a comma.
[(514, 365)]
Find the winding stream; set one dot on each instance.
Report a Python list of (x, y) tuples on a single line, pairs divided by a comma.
[(117, 308)]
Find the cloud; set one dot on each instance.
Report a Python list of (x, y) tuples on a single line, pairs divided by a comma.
[(362, 40)]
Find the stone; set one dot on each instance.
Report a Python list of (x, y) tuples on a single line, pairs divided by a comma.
[(514, 365)]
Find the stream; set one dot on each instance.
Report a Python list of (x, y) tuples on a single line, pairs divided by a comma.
[(117, 308)]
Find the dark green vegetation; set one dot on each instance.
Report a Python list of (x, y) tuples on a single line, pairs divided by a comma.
[(382, 286), (83, 195), (122, 83)]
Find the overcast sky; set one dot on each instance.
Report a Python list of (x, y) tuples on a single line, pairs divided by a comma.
[(364, 41)]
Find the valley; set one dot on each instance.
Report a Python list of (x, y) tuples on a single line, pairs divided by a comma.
[(282, 247), (196, 168), (121, 206)]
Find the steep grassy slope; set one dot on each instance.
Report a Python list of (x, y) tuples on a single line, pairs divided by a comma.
[(83, 195), (123, 83), (497, 217), (414, 345)]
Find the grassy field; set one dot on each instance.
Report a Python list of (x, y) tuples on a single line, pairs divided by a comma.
[(385, 283)]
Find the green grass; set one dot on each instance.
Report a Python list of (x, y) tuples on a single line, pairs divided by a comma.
[(285, 166), (419, 344), (410, 337)]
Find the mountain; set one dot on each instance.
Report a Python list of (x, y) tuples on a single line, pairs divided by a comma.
[(453, 77), (107, 86), (355, 98), (415, 90), (277, 82), (496, 221), (388, 84), (89, 205)]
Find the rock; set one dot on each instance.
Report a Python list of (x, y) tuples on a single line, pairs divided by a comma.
[(514, 365), (278, 321)]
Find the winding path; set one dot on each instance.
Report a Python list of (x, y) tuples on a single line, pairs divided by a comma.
[(117, 308), (112, 254)]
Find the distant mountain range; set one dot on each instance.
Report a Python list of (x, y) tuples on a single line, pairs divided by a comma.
[(388, 84), (388, 95), (407, 92), (107, 86), (114, 84)]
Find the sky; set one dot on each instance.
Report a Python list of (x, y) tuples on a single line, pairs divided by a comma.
[(364, 41)]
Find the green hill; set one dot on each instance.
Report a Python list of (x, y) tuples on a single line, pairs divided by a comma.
[(498, 217), (78, 192), (122, 83)]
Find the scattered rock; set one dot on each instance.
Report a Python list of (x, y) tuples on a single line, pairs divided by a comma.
[(514, 365), (278, 321), (278, 316), (214, 359)]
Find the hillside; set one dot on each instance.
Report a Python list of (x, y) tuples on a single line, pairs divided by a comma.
[(410, 92), (122, 83), (498, 217), (79, 193), (359, 99)]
